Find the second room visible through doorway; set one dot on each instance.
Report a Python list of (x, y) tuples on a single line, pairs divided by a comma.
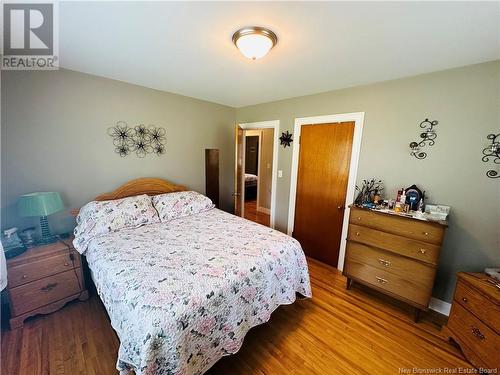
[(258, 169)]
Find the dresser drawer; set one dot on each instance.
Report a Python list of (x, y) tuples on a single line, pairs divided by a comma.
[(475, 335), (411, 228), (483, 308), (422, 251), (35, 270), (401, 276), (30, 296)]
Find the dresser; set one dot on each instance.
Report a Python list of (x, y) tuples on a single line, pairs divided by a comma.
[(43, 279), (394, 254), (474, 321)]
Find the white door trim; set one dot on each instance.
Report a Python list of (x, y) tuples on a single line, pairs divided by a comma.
[(273, 124), (358, 118)]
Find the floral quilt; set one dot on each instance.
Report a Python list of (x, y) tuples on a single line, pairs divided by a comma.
[(182, 294)]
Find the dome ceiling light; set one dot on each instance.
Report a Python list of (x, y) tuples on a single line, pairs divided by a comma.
[(254, 42)]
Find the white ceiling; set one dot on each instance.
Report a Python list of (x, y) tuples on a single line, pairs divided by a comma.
[(186, 48)]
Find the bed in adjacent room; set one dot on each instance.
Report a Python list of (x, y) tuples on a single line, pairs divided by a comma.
[(182, 281), (251, 182)]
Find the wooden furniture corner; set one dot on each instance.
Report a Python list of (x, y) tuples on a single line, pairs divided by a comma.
[(474, 321)]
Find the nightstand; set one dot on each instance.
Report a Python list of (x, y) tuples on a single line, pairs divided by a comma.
[(474, 321), (44, 279)]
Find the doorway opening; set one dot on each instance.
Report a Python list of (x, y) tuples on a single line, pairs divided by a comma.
[(255, 172)]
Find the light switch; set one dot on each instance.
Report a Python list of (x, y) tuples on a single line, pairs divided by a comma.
[(268, 165), (280, 173)]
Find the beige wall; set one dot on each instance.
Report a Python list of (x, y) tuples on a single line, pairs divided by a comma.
[(54, 138), (466, 103), (265, 168)]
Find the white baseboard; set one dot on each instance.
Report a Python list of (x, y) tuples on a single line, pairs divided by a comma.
[(264, 210), (440, 306)]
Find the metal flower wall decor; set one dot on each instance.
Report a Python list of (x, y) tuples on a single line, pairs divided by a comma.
[(139, 139), (285, 139), (428, 139), (492, 151)]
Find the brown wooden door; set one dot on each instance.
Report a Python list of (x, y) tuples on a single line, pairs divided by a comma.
[(324, 158), (238, 171)]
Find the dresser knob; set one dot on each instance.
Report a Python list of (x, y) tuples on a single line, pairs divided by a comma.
[(66, 264), (357, 233), (464, 299), (426, 233), (384, 262), (25, 276), (359, 218), (381, 280), (423, 251)]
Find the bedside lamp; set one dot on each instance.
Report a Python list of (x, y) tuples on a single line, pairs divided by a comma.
[(41, 204)]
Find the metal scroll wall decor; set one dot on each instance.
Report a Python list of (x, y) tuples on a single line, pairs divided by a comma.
[(428, 139), (492, 151), (286, 139), (139, 139)]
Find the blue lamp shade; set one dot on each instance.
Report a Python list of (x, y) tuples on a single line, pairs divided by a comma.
[(41, 204)]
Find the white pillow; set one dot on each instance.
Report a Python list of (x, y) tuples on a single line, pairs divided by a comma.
[(175, 205), (97, 218)]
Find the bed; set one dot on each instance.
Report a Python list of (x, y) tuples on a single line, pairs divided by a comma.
[(183, 293), (251, 182), (250, 179)]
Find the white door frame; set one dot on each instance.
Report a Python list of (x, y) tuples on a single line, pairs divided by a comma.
[(273, 124), (358, 118)]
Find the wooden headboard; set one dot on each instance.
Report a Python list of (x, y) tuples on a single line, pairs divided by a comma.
[(146, 185)]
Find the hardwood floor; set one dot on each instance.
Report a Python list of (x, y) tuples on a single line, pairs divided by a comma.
[(336, 332), (251, 213)]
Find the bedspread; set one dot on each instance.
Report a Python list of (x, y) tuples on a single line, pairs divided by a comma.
[(182, 294)]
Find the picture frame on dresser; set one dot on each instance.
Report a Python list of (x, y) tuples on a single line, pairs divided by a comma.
[(43, 279), (394, 254)]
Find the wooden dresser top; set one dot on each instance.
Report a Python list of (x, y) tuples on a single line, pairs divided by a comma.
[(443, 223), (483, 283)]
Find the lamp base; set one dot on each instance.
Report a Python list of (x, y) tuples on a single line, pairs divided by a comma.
[(47, 237)]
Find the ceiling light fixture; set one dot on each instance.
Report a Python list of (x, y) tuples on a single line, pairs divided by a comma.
[(254, 42)]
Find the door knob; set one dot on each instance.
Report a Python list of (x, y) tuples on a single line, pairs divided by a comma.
[(236, 194), (340, 207)]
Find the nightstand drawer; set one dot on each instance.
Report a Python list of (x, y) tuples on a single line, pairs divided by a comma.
[(35, 270), (422, 251), (31, 296), (479, 305), (406, 227), (475, 335)]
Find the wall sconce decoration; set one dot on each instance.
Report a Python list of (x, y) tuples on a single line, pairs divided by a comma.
[(428, 139), (286, 139), (139, 139), (492, 151)]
